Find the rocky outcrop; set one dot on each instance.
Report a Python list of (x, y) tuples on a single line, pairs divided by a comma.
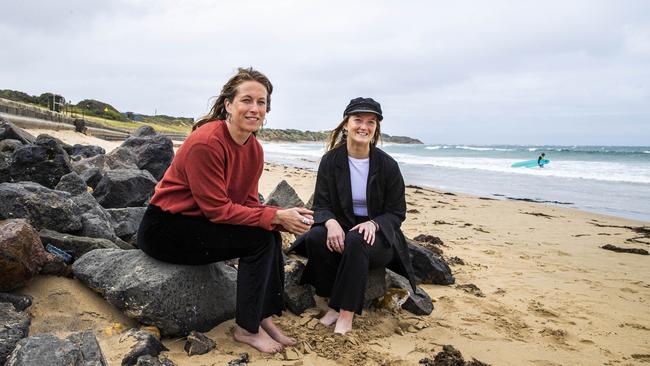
[(15, 327), (41, 206), (126, 221), (175, 298), (124, 188), (44, 162), (153, 152), (285, 196), (21, 253), (79, 349)]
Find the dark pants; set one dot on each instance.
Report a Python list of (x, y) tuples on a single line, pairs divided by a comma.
[(180, 239), (343, 277)]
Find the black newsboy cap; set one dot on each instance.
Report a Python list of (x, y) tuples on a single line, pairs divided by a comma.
[(363, 105)]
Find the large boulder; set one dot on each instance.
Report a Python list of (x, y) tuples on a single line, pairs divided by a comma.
[(41, 206), (10, 131), (21, 253), (124, 188), (284, 195), (5, 164), (428, 267), (126, 221), (45, 162), (74, 245), (44, 349), (153, 152), (175, 298), (15, 326)]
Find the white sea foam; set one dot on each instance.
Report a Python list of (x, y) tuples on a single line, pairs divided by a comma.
[(613, 172), (433, 147), (476, 148)]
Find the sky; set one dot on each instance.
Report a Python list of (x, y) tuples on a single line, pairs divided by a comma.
[(453, 72)]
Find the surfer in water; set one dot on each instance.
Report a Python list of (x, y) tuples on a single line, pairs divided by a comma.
[(539, 160)]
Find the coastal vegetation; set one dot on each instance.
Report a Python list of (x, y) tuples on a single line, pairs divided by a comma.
[(105, 114)]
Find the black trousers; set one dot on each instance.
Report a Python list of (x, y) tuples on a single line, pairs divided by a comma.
[(343, 277), (194, 240)]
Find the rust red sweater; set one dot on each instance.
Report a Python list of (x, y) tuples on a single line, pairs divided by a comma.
[(213, 176)]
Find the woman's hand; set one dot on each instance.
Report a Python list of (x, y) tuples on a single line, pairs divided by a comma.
[(368, 230), (335, 236), (295, 220)]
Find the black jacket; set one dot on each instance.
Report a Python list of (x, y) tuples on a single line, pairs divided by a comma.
[(384, 194)]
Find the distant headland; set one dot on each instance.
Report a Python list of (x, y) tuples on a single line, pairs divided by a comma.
[(107, 115)]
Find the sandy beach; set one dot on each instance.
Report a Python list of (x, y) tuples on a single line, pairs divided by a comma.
[(545, 292)]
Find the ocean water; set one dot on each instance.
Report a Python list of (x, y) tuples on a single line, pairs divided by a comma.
[(613, 180)]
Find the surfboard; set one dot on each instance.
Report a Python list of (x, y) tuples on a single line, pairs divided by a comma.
[(529, 163)]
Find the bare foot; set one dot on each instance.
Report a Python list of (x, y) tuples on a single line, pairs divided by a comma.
[(261, 341), (275, 332), (344, 322), (330, 317)]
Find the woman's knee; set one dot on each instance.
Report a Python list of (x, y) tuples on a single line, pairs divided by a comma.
[(354, 242)]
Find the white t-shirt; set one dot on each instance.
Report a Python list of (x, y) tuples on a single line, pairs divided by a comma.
[(358, 181)]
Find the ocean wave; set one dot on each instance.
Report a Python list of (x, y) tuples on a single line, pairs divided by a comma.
[(433, 147), (475, 148), (612, 172)]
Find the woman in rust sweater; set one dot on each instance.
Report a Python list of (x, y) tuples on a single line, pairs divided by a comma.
[(206, 208)]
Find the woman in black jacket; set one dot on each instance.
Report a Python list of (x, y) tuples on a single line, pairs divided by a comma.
[(359, 206)]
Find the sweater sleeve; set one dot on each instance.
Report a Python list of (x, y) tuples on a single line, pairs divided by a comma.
[(206, 178)]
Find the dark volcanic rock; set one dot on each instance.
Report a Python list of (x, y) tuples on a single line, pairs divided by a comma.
[(148, 360), (43, 162), (284, 195), (428, 267), (10, 145), (625, 250), (42, 207), (74, 245), (15, 326), (95, 220), (153, 152), (297, 297), (450, 357), (146, 345), (72, 183), (198, 344), (90, 352), (175, 298), (375, 285), (21, 253), (418, 303), (20, 302), (45, 350), (10, 131), (144, 131), (121, 158), (124, 188), (92, 177), (87, 151), (126, 221)]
